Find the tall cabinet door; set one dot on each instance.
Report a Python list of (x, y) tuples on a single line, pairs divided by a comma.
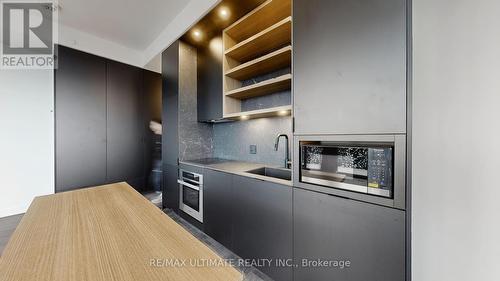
[(125, 133), (349, 64), (80, 120), (328, 228)]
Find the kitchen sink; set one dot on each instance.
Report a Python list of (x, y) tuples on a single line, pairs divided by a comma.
[(284, 174)]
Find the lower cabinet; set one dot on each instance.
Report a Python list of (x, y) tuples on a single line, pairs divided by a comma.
[(328, 228), (328, 237), (252, 218), (218, 207), (262, 224), (170, 187)]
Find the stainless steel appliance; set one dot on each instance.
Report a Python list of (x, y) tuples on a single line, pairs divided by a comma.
[(191, 194), (367, 168)]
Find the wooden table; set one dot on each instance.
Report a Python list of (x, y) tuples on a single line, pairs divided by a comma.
[(105, 233)]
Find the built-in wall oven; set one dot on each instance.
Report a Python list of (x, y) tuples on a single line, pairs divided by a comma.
[(191, 194), (367, 168)]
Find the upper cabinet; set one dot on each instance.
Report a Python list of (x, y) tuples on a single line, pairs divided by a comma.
[(349, 66), (209, 86), (257, 55)]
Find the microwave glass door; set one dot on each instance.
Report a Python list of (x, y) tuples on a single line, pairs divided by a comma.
[(359, 168)]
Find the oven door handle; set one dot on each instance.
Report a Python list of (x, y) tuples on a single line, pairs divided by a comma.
[(188, 185)]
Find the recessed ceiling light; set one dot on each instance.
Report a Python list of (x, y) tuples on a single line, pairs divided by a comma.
[(224, 13), (197, 34), (283, 112), (244, 117)]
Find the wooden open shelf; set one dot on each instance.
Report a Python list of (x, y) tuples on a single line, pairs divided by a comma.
[(271, 38), (260, 113), (262, 17), (258, 43), (269, 86), (265, 64)]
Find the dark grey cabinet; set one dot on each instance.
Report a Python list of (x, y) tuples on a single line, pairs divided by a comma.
[(262, 224), (102, 120), (209, 84), (170, 140), (170, 194), (219, 206), (349, 66), (252, 218), (126, 130), (370, 237), (80, 120)]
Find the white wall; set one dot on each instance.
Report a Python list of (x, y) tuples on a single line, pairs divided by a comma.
[(456, 138), (27, 138)]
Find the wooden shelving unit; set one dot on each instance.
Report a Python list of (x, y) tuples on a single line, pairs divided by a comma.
[(263, 88), (265, 64), (267, 14), (267, 40), (257, 44), (261, 113)]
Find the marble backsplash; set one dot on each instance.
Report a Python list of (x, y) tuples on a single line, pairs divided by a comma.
[(195, 138), (232, 140)]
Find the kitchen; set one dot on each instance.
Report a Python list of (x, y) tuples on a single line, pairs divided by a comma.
[(268, 140), (236, 177)]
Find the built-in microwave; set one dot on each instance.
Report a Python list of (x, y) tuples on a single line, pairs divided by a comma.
[(367, 168)]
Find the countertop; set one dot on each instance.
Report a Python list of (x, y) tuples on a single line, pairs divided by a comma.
[(235, 167), (104, 233)]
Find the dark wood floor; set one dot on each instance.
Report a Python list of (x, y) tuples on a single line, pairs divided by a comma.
[(7, 227)]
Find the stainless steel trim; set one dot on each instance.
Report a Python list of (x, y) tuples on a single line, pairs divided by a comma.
[(399, 171), (342, 185), (379, 191), (200, 176), (188, 185), (399, 175)]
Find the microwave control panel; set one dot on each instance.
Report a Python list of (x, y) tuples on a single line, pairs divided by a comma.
[(380, 168)]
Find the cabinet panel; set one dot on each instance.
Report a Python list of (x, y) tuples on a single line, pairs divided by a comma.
[(209, 83), (170, 104), (218, 204), (170, 187), (152, 95), (263, 223), (170, 137), (349, 66), (125, 133), (371, 237), (80, 120)]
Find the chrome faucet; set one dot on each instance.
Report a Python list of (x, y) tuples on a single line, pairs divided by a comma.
[(277, 142)]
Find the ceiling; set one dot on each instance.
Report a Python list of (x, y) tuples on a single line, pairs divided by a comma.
[(134, 24)]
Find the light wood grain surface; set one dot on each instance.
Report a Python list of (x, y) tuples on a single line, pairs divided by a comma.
[(104, 233)]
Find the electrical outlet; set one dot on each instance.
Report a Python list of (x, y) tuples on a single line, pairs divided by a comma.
[(253, 149)]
